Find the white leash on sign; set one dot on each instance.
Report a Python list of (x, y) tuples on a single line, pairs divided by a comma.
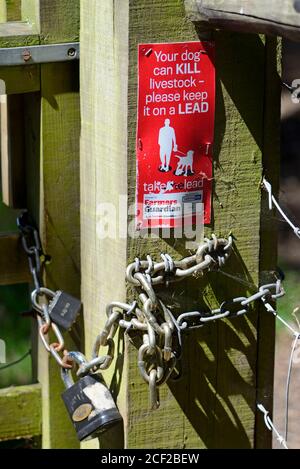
[(178, 151)]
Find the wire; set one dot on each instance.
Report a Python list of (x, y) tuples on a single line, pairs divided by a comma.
[(270, 426), (273, 201), (287, 389), (16, 362)]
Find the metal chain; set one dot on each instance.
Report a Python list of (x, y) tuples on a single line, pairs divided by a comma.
[(36, 259), (233, 308), (157, 354), (212, 253)]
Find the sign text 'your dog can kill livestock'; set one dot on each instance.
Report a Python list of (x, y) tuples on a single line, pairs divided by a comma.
[(176, 107)]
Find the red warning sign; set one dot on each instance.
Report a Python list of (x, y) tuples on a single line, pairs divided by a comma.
[(176, 107)]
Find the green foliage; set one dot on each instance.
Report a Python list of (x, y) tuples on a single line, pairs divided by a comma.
[(15, 331), (291, 300)]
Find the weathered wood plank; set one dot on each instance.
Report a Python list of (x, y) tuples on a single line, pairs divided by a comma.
[(104, 63), (5, 166), (13, 151), (269, 238), (19, 80), (276, 17), (30, 13), (60, 128), (217, 390), (214, 404), (59, 21), (13, 262), (19, 31), (60, 124), (20, 412), (3, 11), (13, 10), (52, 142)]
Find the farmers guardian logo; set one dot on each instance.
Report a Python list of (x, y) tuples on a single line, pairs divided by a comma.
[(161, 188)]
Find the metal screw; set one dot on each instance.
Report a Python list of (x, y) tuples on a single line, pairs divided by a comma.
[(26, 55), (297, 5), (72, 52)]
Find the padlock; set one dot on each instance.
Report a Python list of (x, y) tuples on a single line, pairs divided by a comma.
[(63, 308), (90, 405)]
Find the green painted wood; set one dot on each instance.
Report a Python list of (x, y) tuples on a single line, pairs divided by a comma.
[(13, 10), (18, 34), (271, 163), (20, 412), (52, 122), (52, 142), (214, 404), (59, 21), (30, 13), (19, 80), (60, 127), (3, 11), (103, 167), (14, 265)]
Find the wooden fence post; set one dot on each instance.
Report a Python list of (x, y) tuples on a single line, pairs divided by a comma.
[(59, 197), (227, 365)]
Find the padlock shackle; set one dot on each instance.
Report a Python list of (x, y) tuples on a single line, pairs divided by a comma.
[(38, 292), (66, 378)]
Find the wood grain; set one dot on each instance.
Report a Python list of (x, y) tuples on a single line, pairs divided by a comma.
[(13, 262), (13, 151), (218, 387), (20, 412), (104, 65), (59, 199), (276, 17), (214, 403), (59, 224)]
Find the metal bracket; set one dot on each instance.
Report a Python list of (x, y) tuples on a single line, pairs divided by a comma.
[(39, 54)]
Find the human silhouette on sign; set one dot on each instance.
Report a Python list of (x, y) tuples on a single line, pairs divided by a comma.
[(167, 143)]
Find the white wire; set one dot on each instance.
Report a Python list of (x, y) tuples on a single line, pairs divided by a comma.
[(287, 389), (277, 316), (270, 426), (295, 228), (268, 188)]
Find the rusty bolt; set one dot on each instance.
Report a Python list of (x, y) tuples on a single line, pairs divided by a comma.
[(26, 55)]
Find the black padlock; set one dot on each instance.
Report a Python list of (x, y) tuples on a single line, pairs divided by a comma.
[(90, 405), (63, 308)]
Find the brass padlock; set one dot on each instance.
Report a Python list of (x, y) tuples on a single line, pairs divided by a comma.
[(90, 405)]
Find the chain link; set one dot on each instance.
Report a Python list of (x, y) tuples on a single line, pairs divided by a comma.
[(160, 330), (36, 259), (157, 354)]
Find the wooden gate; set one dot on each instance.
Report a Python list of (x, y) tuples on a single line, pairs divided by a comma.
[(227, 367)]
